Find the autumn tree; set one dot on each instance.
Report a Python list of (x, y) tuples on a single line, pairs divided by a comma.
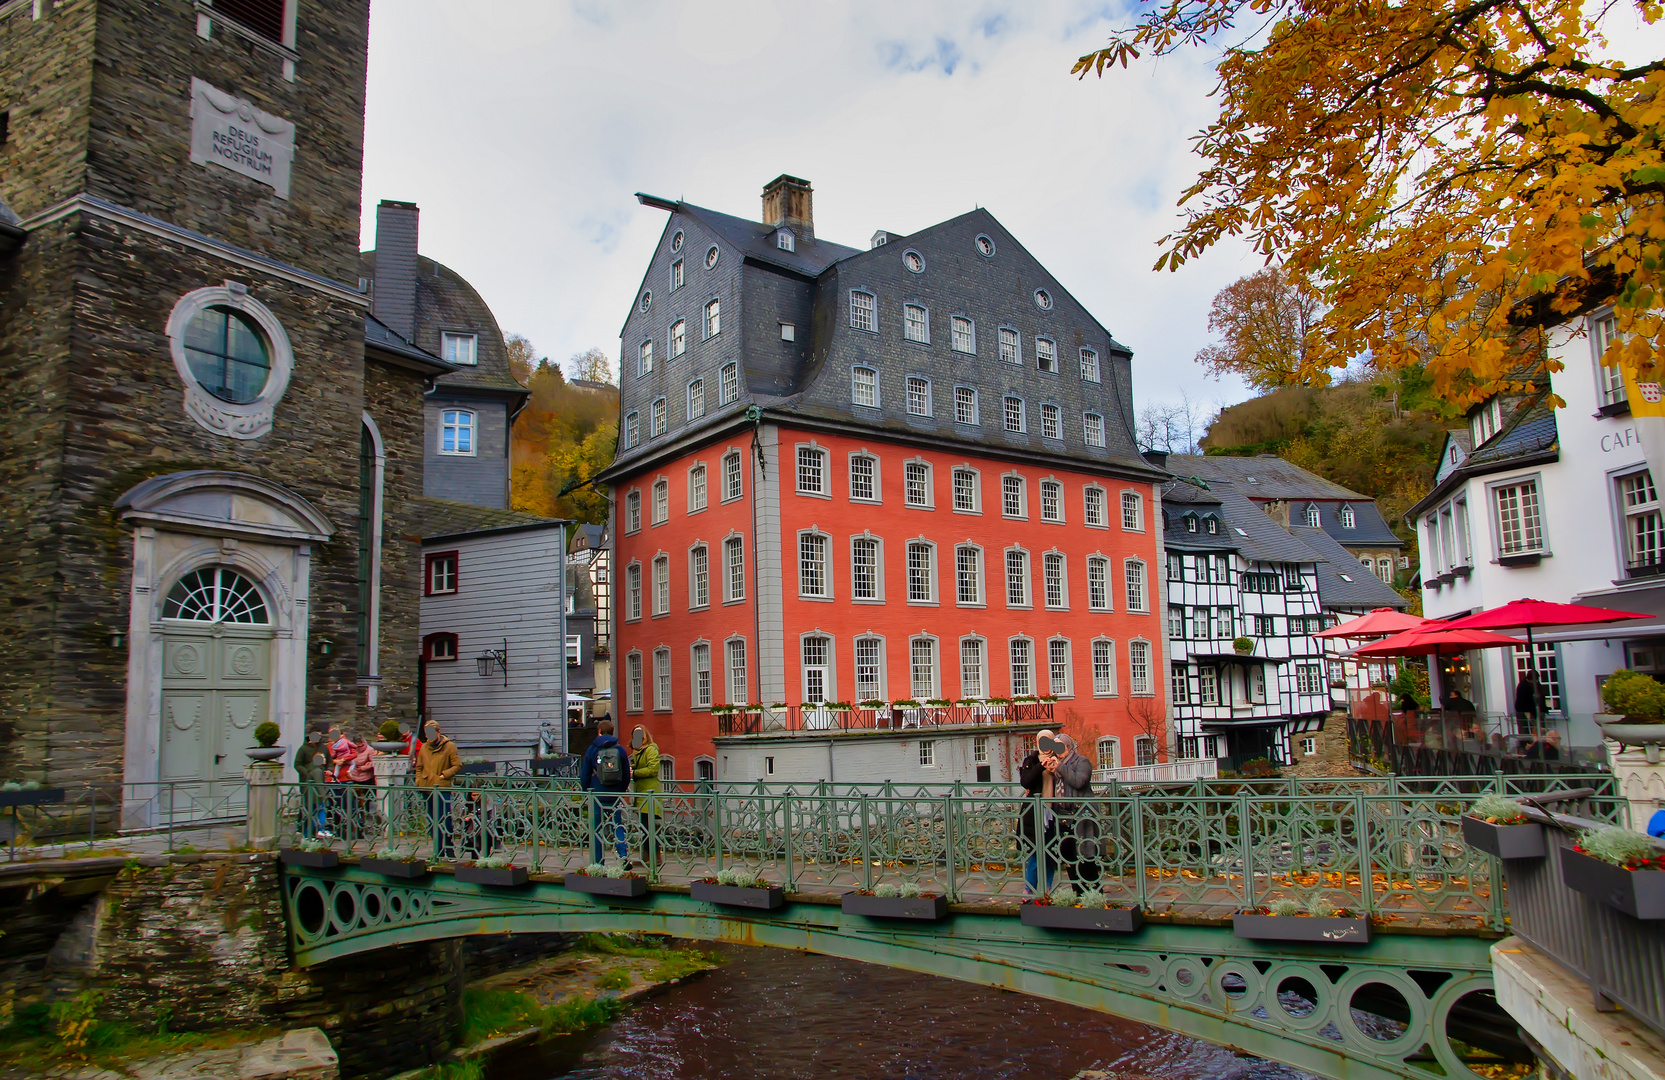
[(563, 438), (1447, 177), (592, 365), (522, 359), (1266, 324)]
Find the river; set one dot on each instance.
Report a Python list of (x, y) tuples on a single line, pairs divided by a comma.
[(769, 1014)]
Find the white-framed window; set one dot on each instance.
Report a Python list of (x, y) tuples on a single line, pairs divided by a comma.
[(1092, 507), (661, 584), (922, 668), (788, 331), (1092, 429), (1013, 413), (633, 681), (786, 241), (916, 323), (1012, 497), (973, 670), (863, 311), (964, 336), (456, 432), (1089, 365), (1144, 750), (442, 579), (1179, 685), (699, 665), (919, 396), (1138, 668), (965, 405), (657, 422), (1133, 512), (1311, 518), (1348, 520), (1053, 582), (1052, 501), (737, 690), (1199, 623), (1098, 583), (678, 277), (633, 591), (1017, 578), (699, 576), (696, 488), (1052, 424), (575, 650), (632, 429), (459, 348), (1518, 518), (644, 358), (864, 387), (980, 750), (916, 484), (812, 471), (864, 478), (730, 382), (734, 568), (814, 576), (927, 753), (661, 501), (713, 318), (819, 680), (1547, 657), (667, 764), (1133, 577), (679, 338), (1022, 655), (733, 479), (1104, 667), (1485, 421), (1108, 752), (1046, 355), (968, 575), (1309, 679), (1058, 667), (966, 499), (1644, 528), (1010, 351), (870, 668), (922, 572), (866, 573), (661, 680), (1309, 745), (1610, 380), (696, 399)]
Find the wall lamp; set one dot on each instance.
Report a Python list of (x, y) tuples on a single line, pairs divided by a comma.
[(494, 659)]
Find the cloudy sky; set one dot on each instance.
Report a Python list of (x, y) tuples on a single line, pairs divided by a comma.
[(523, 128)]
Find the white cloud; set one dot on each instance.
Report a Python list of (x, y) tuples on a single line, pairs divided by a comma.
[(523, 128)]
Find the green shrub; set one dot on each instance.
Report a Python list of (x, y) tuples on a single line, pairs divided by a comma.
[(389, 731), (1621, 847), (1498, 810), (1243, 644), (1093, 898), (911, 890), (1285, 907), (579, 1014), (1320, 908), (617, 979), (1634, 695), (1064, 895), (266, 733)]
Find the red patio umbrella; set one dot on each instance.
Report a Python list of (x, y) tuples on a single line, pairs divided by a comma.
[(1436, 638), (1526, 614), (1380, 622)]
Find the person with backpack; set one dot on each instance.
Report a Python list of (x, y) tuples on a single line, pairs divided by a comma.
[(606, 771)]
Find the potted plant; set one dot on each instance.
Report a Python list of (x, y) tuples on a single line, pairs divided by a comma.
[(599, 880), (1320, 922), (387, 863), (28, 793), (390, 741), (1641, 702), (1243, 646), (739, 886), (1500, 828), (1619, 868), (887, 901), (312, 852), (1065, 909), (497, 870), (265, 736)]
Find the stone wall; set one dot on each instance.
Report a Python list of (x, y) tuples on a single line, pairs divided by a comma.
[(1330, 755), (393, 398)]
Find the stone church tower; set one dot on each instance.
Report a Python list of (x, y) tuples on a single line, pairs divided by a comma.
[(208, 467)]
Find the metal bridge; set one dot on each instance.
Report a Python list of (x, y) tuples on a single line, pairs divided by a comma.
[(1415, 1001)]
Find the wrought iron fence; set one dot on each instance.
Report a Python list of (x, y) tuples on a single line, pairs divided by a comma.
[(1206, 849), (168, 810)]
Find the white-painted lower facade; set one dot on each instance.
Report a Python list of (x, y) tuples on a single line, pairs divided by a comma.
[(970, 755)]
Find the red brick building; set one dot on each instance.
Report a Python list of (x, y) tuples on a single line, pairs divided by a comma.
[(906, 473)]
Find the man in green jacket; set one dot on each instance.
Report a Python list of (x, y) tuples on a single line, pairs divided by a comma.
[(644, 779)]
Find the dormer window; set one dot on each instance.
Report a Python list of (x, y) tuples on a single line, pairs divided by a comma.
[(1348, 520), (1485, 422), (1213, 526), (786, 241), (459, 348), (1190, 523), (1312, 519)]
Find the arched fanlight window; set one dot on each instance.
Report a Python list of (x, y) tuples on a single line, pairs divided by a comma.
[(216, 594)]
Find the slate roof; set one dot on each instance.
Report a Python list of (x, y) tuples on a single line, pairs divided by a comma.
[(1529, 435), (379, 335), (1263, 477), (1342, 582), (444, 518), (1185, 492), (757, 241), (445, 301)]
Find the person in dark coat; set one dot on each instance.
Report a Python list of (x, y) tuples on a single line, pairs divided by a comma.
[(1033, 777), (1529, 703), (1070, 777), (608, 780)]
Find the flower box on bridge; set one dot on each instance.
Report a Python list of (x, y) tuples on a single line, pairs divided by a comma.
[(508, 877), (765, 899), (924, 908), (1330, 931), (316, 860), (1106, 920), (32, 796), (1524, 841), (629, 887), (404, 869), (1638, 893)]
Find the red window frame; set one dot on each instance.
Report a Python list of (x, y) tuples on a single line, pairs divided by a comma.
[(429, 652), (428, 572)]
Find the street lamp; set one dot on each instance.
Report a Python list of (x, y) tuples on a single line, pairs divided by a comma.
[(494, 658)]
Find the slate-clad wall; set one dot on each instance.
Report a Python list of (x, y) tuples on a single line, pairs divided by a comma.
[(46, 82), (480, 479)]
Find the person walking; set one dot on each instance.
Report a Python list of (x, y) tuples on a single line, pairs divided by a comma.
[(436, 763), (309, 771), (1071, 777), (606, 772), (644, 781), (1033, 777)]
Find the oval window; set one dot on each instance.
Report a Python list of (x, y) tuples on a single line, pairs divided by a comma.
[(227, 354), (676, 241), (647, 300), (985, 246), (712, 256), (914, 261), (1043, 299)]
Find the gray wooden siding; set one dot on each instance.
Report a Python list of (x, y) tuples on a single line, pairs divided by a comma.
[(508, 587)]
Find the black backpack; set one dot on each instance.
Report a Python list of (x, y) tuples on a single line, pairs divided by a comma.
[(610, 771)]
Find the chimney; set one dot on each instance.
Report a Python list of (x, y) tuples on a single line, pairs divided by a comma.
[(394, 299), (789, 201), (1278, 511)]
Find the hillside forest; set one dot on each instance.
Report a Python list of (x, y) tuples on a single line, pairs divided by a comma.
[(564, 436)]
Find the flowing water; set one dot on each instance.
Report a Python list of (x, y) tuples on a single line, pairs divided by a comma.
[(769, 1014)]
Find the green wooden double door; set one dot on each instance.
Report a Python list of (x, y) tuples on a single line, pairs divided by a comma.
[(216, 689)]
